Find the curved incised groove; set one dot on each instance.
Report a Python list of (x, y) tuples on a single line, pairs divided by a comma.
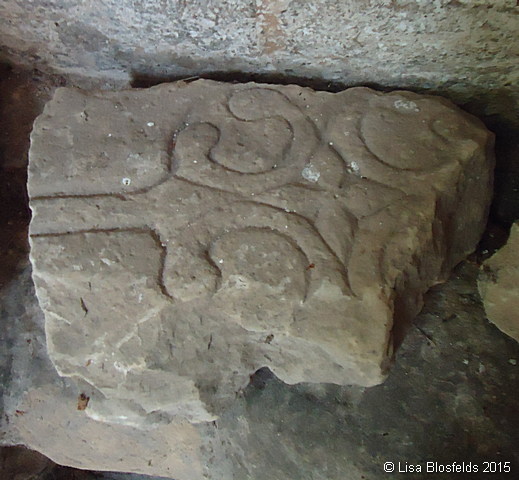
[(269, 230), (270, 107), (269, 141), (399, 151), (316, 230), (359, 158), (189, 275), (196, 160), (373, 155)]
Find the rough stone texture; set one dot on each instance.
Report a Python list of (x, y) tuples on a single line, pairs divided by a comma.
[(39, 406), (187, 235), (461, 46), (497, 285), (450, 397)]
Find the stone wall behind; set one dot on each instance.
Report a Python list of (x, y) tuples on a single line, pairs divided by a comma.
[(458, 46)]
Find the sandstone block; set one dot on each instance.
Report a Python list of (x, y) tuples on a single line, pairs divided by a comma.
[(186, 235), (498, 283)]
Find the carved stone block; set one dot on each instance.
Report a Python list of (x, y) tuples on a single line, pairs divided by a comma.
[(187, 235)]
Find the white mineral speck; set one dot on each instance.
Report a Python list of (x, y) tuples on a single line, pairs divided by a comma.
[(151, 124), (310, 173), (126, 181), (354, 167), (406, 105)]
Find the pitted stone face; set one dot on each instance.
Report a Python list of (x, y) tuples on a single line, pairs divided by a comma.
[(187, 235)]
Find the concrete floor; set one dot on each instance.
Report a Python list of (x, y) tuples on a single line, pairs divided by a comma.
[(451, 396)]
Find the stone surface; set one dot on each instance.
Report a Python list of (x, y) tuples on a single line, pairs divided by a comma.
[(460, 46), (187, 235), (497, 285), (450, 397)]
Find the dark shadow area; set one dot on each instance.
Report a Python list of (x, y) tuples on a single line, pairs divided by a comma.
[(20, 463), (505, 207), (146, 80), (495, 108), (23, 95), (14, 219)]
